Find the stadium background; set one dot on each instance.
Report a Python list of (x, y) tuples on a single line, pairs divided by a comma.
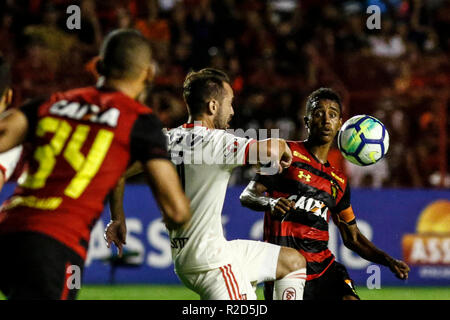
[(276, 52)]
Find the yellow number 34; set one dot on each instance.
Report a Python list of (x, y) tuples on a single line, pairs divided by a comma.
[(85, 166)]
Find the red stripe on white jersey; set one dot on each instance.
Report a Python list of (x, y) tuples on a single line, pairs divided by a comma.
[(227, 268), (237, 285), (225, 277)]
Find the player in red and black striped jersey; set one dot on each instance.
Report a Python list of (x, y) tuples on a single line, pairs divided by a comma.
[(300, 201), (82, 141)]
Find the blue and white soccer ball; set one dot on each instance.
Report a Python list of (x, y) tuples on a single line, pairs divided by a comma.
[(363, 140)]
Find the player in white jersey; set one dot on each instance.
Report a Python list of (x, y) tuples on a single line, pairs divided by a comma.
[(10, 158), (8, 163), (205, 155)]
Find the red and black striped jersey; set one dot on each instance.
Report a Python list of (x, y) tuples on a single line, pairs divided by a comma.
[(317, 190), (81, 143)]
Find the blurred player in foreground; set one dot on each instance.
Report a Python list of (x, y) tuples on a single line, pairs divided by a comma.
[(300, 200), (205, 154), (10, 158), (83, 140)]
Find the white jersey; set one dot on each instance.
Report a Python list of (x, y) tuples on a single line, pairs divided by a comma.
[(204, 159), (9, 160)]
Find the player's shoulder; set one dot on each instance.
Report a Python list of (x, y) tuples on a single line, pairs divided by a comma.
[(103, 98), (190, 128), (299, 151)]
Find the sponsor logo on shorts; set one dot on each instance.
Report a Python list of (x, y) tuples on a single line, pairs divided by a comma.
[(178, 243)]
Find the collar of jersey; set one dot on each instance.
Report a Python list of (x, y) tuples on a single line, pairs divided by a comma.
[(191, 125), (326, 164)]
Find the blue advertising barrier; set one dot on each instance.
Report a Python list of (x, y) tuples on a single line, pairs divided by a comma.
[(387, 217)]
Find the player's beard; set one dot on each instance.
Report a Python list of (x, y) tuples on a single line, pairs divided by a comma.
[(221, 120)]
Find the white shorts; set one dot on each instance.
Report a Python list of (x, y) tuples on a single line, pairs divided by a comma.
[(252, 262)]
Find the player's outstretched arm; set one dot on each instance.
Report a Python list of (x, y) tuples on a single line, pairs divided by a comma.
[(267, 151), (254, 197), (357, 242), (165, 184), (13, 129), (116, 230)]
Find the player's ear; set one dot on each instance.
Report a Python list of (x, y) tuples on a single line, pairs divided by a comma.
[(151, 71), (100, 66), (306, 120), (5, 99), (213, 106), (8, 96)]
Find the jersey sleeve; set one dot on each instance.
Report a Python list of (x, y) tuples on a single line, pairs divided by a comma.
[(266, 180), (9, 160), (344, 209), (230, 150), (147, 139)]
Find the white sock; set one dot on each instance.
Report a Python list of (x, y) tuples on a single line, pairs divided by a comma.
[(291, 286)]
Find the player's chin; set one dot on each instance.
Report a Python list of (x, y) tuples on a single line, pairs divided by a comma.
[(325, 139)]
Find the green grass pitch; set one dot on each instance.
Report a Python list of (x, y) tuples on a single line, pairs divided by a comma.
[(178, 292)]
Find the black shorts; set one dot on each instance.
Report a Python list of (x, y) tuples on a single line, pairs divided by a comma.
[(35, 266), (334, 284)]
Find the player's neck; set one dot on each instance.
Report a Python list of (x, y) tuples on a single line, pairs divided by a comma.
[(203, 121), (129, 89), (320, 151)]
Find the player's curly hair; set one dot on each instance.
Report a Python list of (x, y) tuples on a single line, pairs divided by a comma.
[(322, 94), (200, 87)]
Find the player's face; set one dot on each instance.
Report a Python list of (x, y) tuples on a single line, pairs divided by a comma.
[(225, 111), (324, 121)]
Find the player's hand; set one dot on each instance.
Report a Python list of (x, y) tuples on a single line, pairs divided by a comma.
[(281, 206), (116, 232), (399, 268), (286, 159)]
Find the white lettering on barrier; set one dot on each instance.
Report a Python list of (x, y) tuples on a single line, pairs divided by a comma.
[(158, 239)]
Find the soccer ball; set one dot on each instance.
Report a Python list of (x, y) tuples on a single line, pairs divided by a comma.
[(363, 140)]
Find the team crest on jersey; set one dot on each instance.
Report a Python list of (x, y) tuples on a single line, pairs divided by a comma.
[(334, 190)]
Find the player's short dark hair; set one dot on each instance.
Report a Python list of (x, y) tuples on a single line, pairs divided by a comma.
[(122, 54), (322, 94), (5, 75), (200, 87)]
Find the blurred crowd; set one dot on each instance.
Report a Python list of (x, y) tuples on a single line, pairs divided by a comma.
[(276, 52)]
